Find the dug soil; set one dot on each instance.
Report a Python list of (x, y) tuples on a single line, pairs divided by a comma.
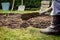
[(24, 20)]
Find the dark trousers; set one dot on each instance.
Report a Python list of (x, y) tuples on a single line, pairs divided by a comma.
[(56, 22)]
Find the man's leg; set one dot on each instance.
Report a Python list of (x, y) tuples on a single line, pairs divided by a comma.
[(55, 26)]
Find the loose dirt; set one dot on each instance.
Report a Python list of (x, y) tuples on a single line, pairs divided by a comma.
[(18, 21)]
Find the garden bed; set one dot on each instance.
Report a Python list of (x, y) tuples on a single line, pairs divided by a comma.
[(24, 20)]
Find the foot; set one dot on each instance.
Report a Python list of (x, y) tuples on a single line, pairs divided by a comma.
[(49, 30)]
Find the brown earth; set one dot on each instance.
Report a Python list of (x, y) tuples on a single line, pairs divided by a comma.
[(24, 20), (40, 21)]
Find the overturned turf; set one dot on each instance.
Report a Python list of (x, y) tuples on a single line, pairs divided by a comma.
[(23, 21)]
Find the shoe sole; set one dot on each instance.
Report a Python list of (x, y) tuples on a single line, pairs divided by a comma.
[(51, 33)]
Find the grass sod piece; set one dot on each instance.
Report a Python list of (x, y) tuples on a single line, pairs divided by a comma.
[(29, 33)]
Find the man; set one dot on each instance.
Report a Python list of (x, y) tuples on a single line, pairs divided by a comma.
[(55, 24)]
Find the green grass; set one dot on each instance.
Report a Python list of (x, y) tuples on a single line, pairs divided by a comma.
[(29, 33), (20, 12)]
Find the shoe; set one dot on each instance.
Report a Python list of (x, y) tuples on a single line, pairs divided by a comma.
[(49, 30)]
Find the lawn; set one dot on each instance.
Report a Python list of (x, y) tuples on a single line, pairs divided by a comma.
[(29, 33), (16, 11)]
